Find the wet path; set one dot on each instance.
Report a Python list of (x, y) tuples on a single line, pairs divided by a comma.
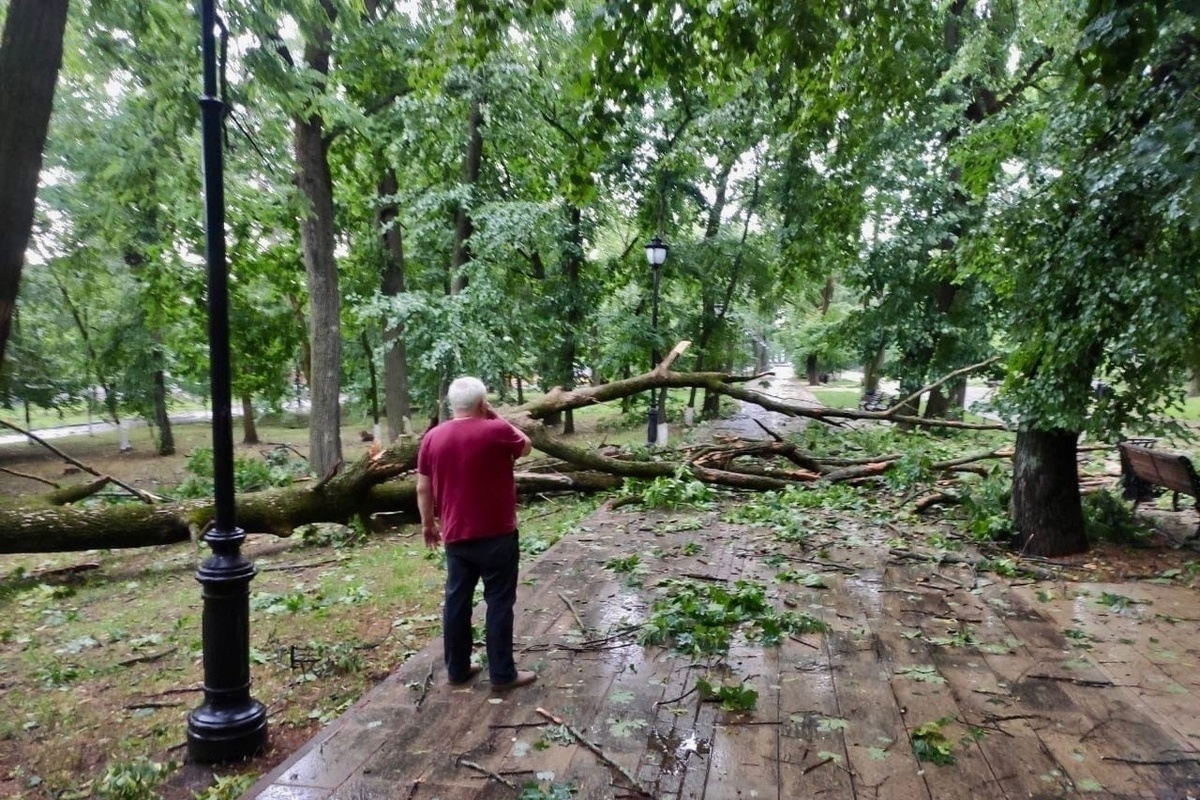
[(1046, 690)]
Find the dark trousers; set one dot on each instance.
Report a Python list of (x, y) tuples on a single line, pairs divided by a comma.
[(495, 560)]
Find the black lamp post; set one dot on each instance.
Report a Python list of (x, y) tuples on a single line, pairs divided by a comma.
[(656, 254), (229, 725)]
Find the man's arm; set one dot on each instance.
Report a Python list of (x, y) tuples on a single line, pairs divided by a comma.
[(428, 509), (527, 446)]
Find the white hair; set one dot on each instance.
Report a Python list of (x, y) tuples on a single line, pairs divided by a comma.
[(465, 394)]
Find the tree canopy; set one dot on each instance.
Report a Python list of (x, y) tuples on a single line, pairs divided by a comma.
[(441, 188)]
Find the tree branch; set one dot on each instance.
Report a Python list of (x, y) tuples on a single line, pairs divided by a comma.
[(145, 497)]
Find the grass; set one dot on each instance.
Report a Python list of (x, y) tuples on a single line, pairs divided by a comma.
[(100, 667)]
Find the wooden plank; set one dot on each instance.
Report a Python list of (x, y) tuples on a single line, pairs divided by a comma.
[(1104, 723), (878, 750)]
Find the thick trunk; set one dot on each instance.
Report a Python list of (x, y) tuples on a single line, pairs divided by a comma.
[(317, 240), (162, 416), (249, 427), (30, 55), (1046, 508), (395, 354)]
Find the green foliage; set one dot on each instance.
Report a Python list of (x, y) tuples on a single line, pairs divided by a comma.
[(678, 491), (624, 564), (701, 618), (1109, 518), (332, 535), (132, 780), (249, 474), (929, 743), (913, 469), (782, 512), (986, 504), (551, 791), (227, 787), (731, 697)]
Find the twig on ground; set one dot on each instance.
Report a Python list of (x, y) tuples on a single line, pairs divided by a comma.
[(817, 765), (146, 658), (675, 699), (633, 782), (304, 565), (462, 762), (151, 704), (425, 684), (583, 628)]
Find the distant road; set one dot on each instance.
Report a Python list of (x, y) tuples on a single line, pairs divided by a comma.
[(63, 431)]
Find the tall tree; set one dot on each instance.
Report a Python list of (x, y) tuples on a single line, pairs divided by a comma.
[(1095, 246)]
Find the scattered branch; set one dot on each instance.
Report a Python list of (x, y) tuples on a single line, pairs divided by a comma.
[(577, 736), (462, 762)]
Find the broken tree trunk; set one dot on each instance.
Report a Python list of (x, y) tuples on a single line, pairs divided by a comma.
[(382, 481)]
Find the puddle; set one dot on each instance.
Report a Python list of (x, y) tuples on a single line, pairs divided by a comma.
[(675, 748)]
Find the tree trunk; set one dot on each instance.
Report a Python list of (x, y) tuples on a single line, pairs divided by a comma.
[(162, 416), (1046, 508), (249, 428), (936, 405), (317, 240), (810, 367), (572, 264), (872, 371), (373, 390), (463, 225), (30, 55), (397, 406)]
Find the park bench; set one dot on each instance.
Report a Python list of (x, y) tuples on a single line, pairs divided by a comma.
[(1143, 467)]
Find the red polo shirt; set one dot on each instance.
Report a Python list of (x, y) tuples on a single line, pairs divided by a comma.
[(470, 465)]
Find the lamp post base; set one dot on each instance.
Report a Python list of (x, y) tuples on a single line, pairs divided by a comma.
[(220, 735)]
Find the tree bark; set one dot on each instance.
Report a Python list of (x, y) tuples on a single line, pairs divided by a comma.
[(572, 260), (162, 414), (30, 56), (463, 224), (320, 264), (395, 355), (249, 427), (317, 241), (1046, 508)]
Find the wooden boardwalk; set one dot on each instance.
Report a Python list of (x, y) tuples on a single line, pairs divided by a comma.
[(1036, 691)]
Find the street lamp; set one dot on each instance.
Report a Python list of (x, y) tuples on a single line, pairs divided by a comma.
[(656, 254), (229, 725)]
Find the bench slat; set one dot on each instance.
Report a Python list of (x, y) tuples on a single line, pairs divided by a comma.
[(1168, 470)]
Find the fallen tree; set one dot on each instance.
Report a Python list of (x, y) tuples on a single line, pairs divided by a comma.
[(382, 481)]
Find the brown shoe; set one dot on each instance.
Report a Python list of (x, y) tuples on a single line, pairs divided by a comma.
[(524, 678), (472, 671)]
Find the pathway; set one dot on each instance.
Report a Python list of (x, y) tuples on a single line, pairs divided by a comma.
[(1044, 690)]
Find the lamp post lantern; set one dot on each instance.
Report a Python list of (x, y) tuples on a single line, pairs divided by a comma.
[(229, 725), (656, 254)]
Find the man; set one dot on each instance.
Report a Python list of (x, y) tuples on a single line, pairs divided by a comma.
[(468, 501)]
